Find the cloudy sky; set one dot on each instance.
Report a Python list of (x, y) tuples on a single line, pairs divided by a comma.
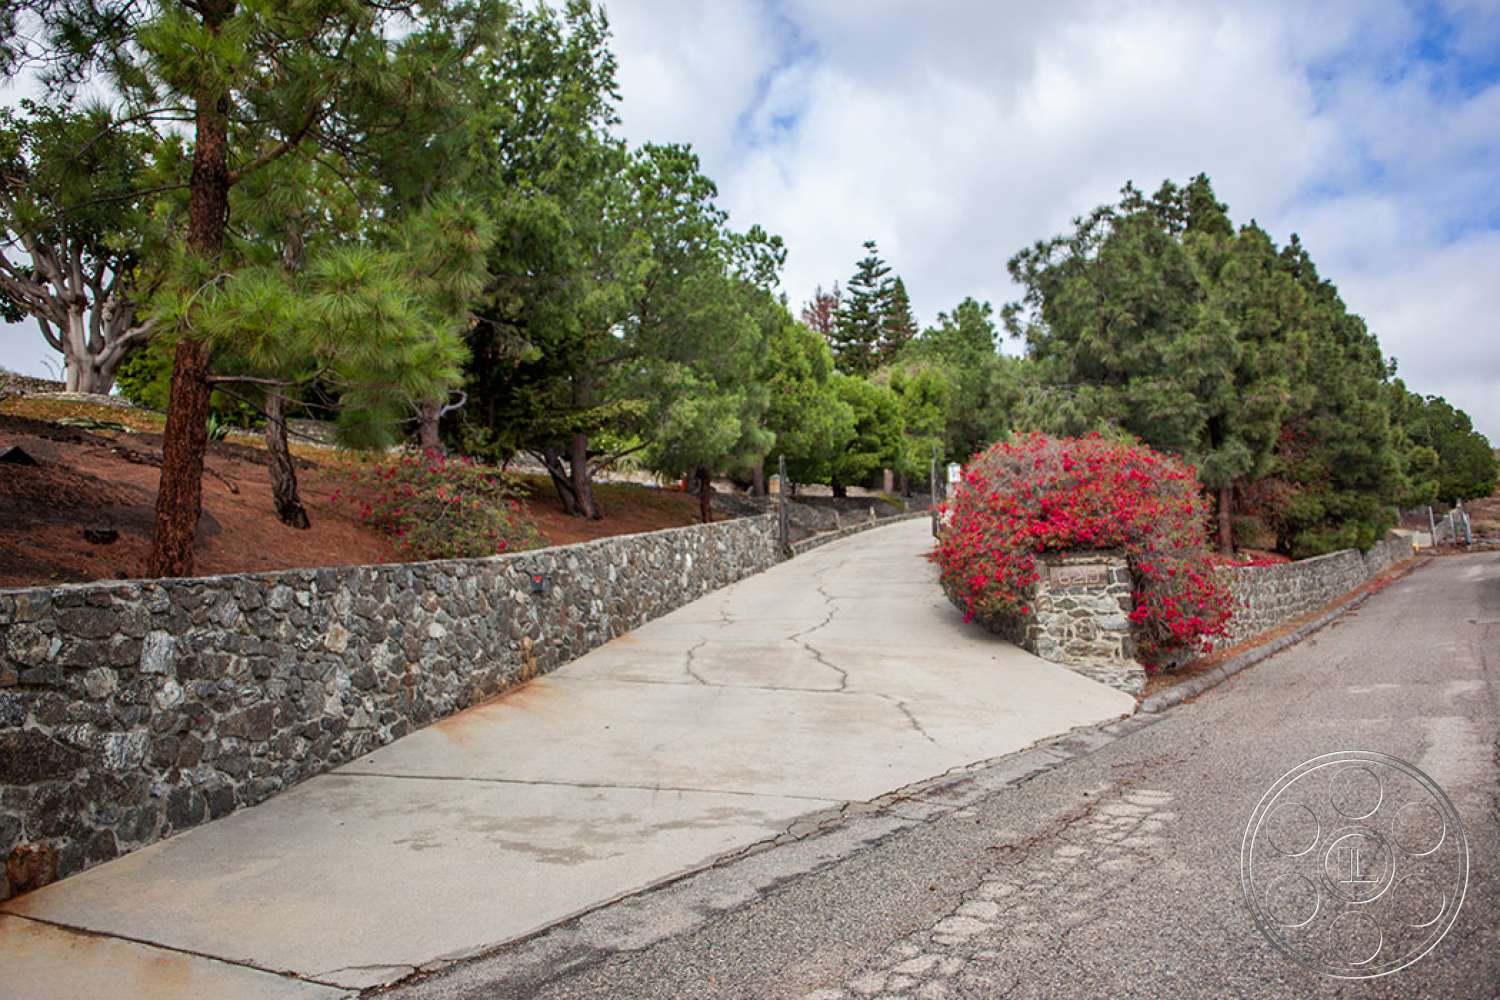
[(955, 132)]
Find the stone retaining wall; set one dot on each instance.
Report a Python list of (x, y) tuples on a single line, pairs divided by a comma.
[(133, 710), (824, 537), (1076, 611), (1077, 616), (1266, 596)]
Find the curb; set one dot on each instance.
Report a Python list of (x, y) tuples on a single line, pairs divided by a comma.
[(1180, 693), (682, 903)]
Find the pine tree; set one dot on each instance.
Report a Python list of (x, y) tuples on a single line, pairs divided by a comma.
[(1462, 460), (323, 78), (1155, 317), (860, 327), (1336, 458), (898, 323)]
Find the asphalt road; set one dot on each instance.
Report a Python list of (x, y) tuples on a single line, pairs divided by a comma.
[(1118, 872)]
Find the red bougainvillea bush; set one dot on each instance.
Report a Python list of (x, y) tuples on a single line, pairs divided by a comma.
[(434, 507), (1035, 494)]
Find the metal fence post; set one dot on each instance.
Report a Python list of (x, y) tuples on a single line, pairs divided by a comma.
[(1431, 525), (783, 513), (932, 494)]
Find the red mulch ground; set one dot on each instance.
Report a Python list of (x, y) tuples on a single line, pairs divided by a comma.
[(102, 478), (88, 478), (627, 509)]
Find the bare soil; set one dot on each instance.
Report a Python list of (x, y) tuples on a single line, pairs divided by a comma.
[(627, 507), (104, 479)]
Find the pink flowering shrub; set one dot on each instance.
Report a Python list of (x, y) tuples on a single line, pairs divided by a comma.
[(435, 507), (1036, 494)]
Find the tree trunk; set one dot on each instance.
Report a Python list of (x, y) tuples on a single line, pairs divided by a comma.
[(179, 495), (578, 467), (758, 480), (705, 495), (428, 414), (1226, 519), (80, 365), (179, 498), (279, 461), (557, 470), (93, 375), (839, 489)]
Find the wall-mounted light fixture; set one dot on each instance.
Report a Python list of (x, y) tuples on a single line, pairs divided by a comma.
[(540, 584)]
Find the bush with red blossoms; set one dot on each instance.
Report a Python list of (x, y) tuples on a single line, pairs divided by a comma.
[(435, 507), (1035, 494)]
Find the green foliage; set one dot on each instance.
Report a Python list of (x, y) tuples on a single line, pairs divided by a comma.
[(380, 325), (878, 438), (77, 189), (898, 323), (1156, 318), (1449, 461), (434, 507), (925, 395), (810, 420), (1336, 453), (217, 429), (985, 387), (860, 324), (75, 177), (145, 379)]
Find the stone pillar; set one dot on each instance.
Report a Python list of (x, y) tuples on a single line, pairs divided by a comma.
[(1079, 617)]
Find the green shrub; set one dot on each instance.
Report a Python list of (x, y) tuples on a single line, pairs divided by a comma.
[(435, 507), (1034, 494)]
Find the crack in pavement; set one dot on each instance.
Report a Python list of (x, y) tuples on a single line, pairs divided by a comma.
[(622, 786), (1029, 903), (818, 655), (831, 603), (688, 663), (178, 949), (901, 707)]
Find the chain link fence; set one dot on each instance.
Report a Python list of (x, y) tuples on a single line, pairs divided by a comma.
[(1449, 527)]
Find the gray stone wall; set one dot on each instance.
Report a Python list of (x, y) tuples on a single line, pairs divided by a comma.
[(1079, 605), (1078, 617), (1266, 596), (824, 537), (133, 710)]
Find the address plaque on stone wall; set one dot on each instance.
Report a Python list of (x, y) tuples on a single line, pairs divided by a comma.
[(1078, 575)]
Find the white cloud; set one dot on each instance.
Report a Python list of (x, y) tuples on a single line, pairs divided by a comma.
[(957, 133)]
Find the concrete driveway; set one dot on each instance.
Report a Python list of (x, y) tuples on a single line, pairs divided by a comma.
[(834, 678)]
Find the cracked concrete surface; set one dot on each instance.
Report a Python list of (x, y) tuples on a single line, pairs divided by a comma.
[(829, 680)]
